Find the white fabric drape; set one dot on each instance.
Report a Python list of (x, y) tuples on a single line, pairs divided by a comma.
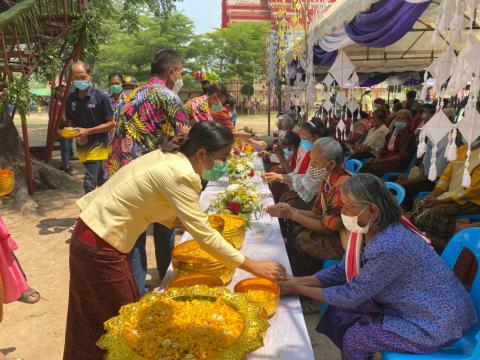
[(337, 40)]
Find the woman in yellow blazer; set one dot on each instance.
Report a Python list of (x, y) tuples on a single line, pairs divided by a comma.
[(160, 187)]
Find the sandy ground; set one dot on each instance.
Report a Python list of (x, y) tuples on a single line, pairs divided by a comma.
[(36, 332)]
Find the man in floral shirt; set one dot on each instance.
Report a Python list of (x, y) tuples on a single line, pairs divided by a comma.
[(149, 117)]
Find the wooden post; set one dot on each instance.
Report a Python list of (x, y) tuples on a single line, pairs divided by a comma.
[(26, 150)]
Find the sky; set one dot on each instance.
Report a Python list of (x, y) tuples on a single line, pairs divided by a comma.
[(206, 14)]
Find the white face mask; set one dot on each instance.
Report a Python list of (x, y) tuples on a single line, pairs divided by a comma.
[(177, 86), (351, 223), (317, 174)]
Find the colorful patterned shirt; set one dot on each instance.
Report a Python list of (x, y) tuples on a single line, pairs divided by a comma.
[(329, 201), (198, 110), (150, 116), (114, 102)]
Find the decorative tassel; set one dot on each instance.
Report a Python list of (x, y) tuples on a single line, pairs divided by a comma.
[(422, 145), (467, 180), (452, 148), (432, 173)]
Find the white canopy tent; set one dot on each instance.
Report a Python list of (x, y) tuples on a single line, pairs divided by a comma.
[(413, 52)]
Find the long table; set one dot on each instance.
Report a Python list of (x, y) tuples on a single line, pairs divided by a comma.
[(287, 338)]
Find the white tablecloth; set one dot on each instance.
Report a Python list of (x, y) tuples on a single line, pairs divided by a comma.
[(287, 338)]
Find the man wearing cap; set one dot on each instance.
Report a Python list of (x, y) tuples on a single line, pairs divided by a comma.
[(129, 84)]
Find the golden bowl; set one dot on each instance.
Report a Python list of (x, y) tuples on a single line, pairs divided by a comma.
[(68, 132), (129, 330), (7, 181), (262, 292), (196, 279), (188, 258), (233, 229)]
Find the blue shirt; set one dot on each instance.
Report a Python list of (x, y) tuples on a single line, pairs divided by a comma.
[(422, 299), (89, 112)]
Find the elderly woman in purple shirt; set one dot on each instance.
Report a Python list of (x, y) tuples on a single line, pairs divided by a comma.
[(402, 298)]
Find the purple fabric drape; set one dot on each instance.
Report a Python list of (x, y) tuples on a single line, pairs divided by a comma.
[(323, 58), (386, 22)]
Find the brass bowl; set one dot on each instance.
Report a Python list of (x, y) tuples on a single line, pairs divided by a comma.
[(188, 258), (250, 338), (196, 279), (233, 228), (7, 181), (262, 292), (68, 132)]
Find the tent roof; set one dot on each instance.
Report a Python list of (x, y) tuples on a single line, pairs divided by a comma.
[(413, 52)]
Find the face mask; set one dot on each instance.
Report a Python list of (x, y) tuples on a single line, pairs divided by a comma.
[(177, 86), (116, 89), (306, 145), (81, 84), (217, 108), (400, 125), (288, 153), (317, 174), (351, 223), (219, 169)]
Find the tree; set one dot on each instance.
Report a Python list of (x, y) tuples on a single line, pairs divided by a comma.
[(237, 50), (132, 52)]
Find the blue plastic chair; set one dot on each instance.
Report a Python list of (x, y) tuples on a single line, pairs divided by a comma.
[(394, 175), (327, 264), (354, 165), (421, 195), (398, 191), (468, 347)]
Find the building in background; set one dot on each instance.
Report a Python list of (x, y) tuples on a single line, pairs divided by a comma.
[(264, 10)]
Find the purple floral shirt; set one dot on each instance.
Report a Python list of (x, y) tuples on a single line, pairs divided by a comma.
[(421, 298), (150, 116)]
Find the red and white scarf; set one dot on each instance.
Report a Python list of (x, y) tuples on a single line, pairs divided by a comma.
[(354, 248)]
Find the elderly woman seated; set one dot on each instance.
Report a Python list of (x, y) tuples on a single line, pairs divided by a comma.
[(398, 149), (318, 236), (297, 159), (436, 213), (391, 291)]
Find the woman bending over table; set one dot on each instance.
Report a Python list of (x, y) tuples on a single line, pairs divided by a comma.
[(318, 236), (391, 291), (158, 187)]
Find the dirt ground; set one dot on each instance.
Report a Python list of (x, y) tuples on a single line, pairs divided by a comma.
[(36, 332)]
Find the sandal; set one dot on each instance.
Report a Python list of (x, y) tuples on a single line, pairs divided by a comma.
[(28, 294)]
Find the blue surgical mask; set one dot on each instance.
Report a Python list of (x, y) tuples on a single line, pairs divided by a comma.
[(400, 125), (306, 145), (219, 169), (81, 84), (217, 107), (288, 153)]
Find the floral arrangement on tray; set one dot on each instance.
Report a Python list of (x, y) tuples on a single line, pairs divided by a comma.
[(240, 167), (192, 323), (240, 199)]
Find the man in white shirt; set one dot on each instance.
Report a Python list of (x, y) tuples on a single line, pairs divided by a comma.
[(375, 139), (367, 104)]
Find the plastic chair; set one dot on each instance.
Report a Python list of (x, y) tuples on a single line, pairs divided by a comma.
[(326, 264), (394, 175), (353, 165), (422, 194), (468, 347), (398, 191)]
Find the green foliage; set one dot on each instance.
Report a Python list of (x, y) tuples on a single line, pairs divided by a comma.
[(132, 52), (18, 93), (132, 9), (49, 64)]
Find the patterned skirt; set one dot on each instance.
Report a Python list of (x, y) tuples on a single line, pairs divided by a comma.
[(101, 282), (439, 221)]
